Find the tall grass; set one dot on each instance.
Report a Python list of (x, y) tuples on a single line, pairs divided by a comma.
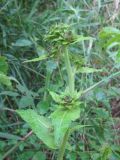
[(23, 24)]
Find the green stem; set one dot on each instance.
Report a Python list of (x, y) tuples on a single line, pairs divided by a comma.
[(70, 72), (47, 82), (63, 146)]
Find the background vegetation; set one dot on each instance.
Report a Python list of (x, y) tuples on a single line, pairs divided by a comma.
[(23, 24)]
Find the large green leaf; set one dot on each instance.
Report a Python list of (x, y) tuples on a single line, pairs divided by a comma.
[(5, 80), (62, 119), (40, 125)]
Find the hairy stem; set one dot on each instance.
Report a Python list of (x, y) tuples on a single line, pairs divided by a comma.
[(63, 146), (70, 72)]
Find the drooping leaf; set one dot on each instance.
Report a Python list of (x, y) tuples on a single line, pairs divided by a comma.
[(3, 65), (62, 119), (22, 43), (40, 125)]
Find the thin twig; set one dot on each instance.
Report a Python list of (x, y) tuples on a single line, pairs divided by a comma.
[(16, 145), (26, 136), (8, 109), (107, 79)]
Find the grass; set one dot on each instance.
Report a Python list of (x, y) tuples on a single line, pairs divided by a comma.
[(30, 20)]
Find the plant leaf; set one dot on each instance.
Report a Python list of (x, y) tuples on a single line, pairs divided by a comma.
[(3, 65), (62, 119), (5, 80), (109, 35), (26, 101), (118, 57), (39, 155), (109, 30), (40, 125), (22, 43), (26, 155), (9, 136), (40, 58), (106, 152), (9, 93), (78, 127), (81, 38), (55, 97), (88, 70)]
